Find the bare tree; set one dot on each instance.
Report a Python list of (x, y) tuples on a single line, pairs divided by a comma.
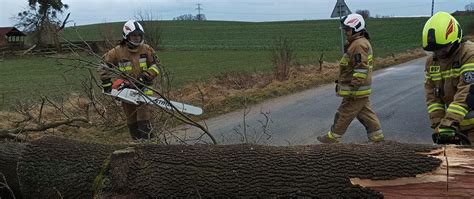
[(108, 36), (152, 27), (282, 54), (364, 13), (42, 18), (185, 17), (469, 7), (190, 17), (201, 17)]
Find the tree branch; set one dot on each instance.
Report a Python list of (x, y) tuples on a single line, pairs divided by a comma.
[(43, 127)]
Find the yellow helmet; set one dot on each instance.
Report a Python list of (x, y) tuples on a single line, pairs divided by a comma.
[(441, 30)]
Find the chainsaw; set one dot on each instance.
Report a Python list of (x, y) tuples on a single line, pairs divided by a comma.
[(136, 97), (458, 139)]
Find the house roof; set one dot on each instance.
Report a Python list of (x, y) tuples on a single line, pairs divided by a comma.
[(10, 31)]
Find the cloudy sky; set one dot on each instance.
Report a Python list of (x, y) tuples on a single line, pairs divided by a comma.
[(98, 11)]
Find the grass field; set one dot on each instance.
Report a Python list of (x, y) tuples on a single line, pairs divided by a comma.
[(196, 51), (388, 34)]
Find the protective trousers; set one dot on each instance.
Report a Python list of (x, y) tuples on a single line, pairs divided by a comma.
[(138, 120), (351, 108)]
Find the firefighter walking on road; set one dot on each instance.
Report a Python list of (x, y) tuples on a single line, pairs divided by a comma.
[(354, 84), (137, 60), (449, 79)]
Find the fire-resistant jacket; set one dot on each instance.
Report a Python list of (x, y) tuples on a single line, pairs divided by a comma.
[(133, 62), (449, 88), (355, 73)]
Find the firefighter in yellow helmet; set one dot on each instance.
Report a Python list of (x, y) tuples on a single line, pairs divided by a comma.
[(449, 80), (138, 60), (354, 84)]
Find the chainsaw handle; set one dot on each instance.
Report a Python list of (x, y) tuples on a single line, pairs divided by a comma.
[(458, 139)]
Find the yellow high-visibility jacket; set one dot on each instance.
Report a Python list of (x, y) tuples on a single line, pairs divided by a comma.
[(355, 72), (449, 88)]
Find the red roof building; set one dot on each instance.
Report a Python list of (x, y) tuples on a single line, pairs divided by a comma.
[(12, 37)]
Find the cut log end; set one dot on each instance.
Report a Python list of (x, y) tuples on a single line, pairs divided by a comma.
[(454, 178)]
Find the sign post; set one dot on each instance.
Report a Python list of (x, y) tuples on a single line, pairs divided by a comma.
[(341, 10)]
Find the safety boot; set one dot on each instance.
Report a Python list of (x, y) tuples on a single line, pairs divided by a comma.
[(329, 138), (376, 136)]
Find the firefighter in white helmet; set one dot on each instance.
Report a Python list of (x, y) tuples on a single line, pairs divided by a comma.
[(354, 84), (138, 60)]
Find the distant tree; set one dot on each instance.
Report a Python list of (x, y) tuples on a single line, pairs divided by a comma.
[(190, 17), (364, 13), (42, 19), (185, 17), (152, 27), (200, 17), (470, 7)]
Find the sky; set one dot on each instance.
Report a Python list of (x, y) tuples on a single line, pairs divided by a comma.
[(99, 11)]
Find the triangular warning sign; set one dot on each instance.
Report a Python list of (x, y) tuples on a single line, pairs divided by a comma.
[(340, 9)]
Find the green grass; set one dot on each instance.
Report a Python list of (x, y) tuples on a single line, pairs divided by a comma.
[(388, 34), (196, 51), (30, 77)]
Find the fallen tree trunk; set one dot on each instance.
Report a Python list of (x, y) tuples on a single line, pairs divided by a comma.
[(60, 168), (454, 179), (55, 168), (322, 171), (10, 153)]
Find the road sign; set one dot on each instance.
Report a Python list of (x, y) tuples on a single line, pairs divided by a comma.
[(340, 9)]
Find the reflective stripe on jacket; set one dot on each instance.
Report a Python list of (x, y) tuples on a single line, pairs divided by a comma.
[(355, 72), (447, 86), (134, 63)]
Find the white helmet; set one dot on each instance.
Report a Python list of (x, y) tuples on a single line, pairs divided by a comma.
[(130, 27), (354, 21)]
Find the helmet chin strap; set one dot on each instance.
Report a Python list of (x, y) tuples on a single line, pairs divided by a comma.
[(133, 45)]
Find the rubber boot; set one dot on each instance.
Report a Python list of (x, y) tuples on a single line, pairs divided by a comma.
[(144, 128)]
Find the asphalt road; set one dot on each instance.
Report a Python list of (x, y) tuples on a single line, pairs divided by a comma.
[(398, 99)]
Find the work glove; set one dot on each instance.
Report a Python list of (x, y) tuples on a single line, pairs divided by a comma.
[(107, 85), (144, 78), (444, 135)]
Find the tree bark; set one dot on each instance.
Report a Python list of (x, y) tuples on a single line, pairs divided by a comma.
[(9, 155), (61, 168), (253, 171)]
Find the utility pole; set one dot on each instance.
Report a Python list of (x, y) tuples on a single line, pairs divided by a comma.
[(432, 7), (199, 16)]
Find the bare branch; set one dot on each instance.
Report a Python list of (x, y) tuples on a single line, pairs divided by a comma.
[(64, 23), (44, 127)]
